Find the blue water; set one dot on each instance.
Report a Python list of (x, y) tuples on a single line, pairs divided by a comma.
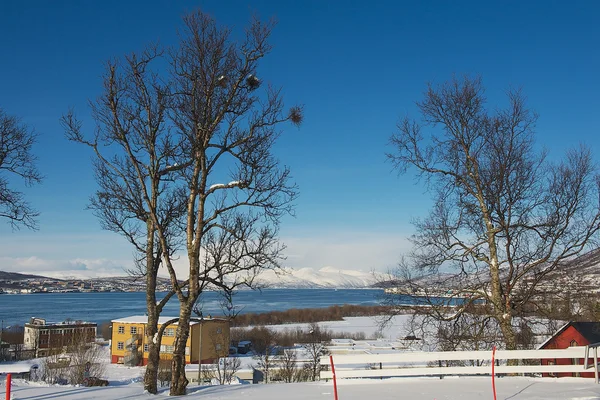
[(17, 309)]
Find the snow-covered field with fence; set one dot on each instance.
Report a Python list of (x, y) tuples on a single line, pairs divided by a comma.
[(126, 382)]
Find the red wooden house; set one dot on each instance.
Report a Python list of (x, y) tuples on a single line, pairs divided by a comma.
[(570, 335)]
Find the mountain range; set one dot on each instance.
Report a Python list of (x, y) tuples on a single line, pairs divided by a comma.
[(303, 278), (326, 277)]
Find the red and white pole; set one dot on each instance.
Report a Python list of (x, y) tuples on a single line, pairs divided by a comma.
[(493, 374), (8, 382), (334, 381)]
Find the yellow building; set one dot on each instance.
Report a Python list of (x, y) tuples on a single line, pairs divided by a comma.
[(208, 338)]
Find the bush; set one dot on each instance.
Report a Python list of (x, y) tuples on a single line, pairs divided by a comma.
[(164, 372), (308, 315), (79, 361)]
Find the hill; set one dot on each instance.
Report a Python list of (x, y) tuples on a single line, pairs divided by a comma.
[(15, 276)]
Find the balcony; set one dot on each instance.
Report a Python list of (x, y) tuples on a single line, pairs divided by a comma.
[(133, 342)]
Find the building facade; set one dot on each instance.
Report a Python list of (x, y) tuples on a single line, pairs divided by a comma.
[(207, 341), (44, 338), (571, 335)]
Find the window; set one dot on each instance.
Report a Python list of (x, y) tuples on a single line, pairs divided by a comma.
[(133, 330), (121, 329), (169, 349), (219, 330), (170, 332), (166, 348), (187, 351), (218, 346), (145, 347), (120, 346)]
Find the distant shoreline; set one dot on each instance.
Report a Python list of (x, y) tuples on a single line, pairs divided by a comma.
[(106, 306)]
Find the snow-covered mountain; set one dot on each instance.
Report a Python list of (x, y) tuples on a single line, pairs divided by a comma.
[(326, 277)]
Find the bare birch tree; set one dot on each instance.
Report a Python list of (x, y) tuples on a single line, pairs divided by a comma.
[(133, 157), (236, 191), (504, 217), (17, 161), (191, 166)]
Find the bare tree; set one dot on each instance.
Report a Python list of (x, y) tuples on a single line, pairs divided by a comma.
[(16, 162), (263, 346), (86, 359), (134, 154), (287, 366), (224, 368), (173, 140), (504, 218), (315, 349), (164, 372), (55, 367), (226, 129), (72, 363)]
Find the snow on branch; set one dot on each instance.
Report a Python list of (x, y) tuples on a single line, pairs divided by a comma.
[(231, 184)]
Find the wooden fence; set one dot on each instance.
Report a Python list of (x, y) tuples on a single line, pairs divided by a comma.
[(442, 363)]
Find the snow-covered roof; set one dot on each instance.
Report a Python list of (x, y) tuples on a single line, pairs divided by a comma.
[(341, 342), (41, 323), (142, 319), (15, 368)]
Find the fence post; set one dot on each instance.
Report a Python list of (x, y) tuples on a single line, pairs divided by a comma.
[(8, 384), (493, 375), (596, 364), (440, 364), (335, 394)]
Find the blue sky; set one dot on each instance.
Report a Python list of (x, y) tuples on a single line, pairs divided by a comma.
[(356, 66)]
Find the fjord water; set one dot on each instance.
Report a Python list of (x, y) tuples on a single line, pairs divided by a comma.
[(17, 309)]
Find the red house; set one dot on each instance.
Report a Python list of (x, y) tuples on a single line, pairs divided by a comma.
[(570, 335)]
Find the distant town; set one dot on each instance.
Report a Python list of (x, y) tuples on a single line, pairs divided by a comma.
[(14, 283)]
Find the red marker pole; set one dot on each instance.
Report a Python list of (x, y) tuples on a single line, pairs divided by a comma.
[(334, 381), (493, 374), (8, 382)]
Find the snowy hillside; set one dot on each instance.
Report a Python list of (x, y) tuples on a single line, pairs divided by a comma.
[(326, 277)]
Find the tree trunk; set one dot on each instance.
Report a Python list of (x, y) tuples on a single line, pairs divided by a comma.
[(179, 381), (151, 375), (508, 332)]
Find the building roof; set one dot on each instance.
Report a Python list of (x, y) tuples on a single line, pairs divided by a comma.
[(16, 367), (142, 319), (589, 330), (40, 323)]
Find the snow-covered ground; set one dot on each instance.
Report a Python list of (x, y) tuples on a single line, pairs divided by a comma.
[(126, 383), (513, 388)]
